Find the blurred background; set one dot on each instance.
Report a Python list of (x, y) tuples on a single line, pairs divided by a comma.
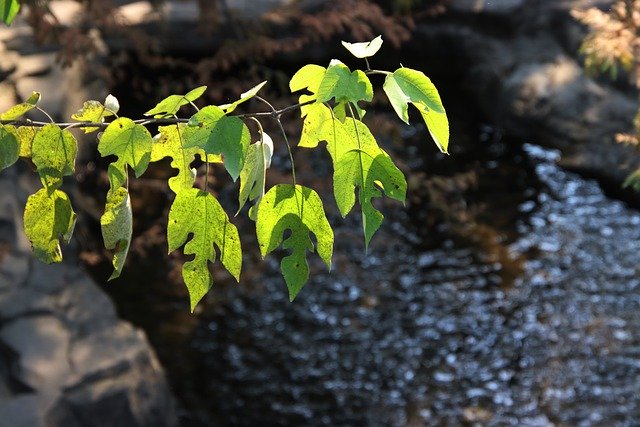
[(506, 291)]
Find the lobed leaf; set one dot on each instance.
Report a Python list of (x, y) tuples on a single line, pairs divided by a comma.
[(19, 110), (117, 227), (229, 108), (171, 104), (131, 143), (48, 219), (405, 86), (365, 49), (344, 86), (8, 10), (253, 175), (54, 155), (170, 143), (216, 133), (198, 214), (298, 209), (9, 146)]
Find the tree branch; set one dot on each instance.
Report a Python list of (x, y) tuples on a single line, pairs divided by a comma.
[(275, 114)]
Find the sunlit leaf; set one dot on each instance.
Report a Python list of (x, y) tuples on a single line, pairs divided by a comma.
[(93, 111), (48, 219), (197, 219), (54, 154), (171, 104), (406, 86), (19, 110), (26, 135), (365, 49), (229, 108), (117, 226), (9, 146), (299, 210), (131, 143), (170, 143), (344, 85), (216, 133), (252, 177), (8, 10)]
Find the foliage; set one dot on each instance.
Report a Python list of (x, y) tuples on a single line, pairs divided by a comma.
[(287, 216), (614, 41)]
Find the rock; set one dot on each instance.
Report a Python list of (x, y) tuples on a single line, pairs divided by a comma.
[(42, 343), (21, 411)]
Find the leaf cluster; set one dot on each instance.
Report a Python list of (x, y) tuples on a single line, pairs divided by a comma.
[(332, 106)]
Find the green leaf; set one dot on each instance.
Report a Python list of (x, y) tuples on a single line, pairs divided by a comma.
[(9, 146), (343, 85), (299, 210), (47, 220), (364, 50), (54, 154), (8, 10), (253, 175), (308, 77), (94, 111), (170, 143), (406, 86), (229, 108), (26, 135), (198, 214), (131, 143), (171, 104), (633, 180), (216, 133), (117, 226), (19, 110)]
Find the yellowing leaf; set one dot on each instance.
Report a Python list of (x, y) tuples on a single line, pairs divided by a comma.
[(298, 209), (171, 104), (117, 226), (171, 144), (93, 111), (19, 110), (47, 220), (229, 108), (216, 133), (54, 154), (26, 135), (406, 86), (198, 214), (131, 143), (9, 147), (365, 49)]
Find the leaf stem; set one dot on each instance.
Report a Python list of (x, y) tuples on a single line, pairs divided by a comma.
[(380, 72), (46, 114)]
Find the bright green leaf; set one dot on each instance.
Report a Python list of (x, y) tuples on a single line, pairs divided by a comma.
[(8, 10), (253, 175), (364, 50), (216, 133), (117, 226), (229, 108), (47, 220), (19, 110), (406, 86), (198, 214), (299, 210), (54, 154), (171, 144), (9, 146), (131, 143), (171, 104), (343, 85)]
